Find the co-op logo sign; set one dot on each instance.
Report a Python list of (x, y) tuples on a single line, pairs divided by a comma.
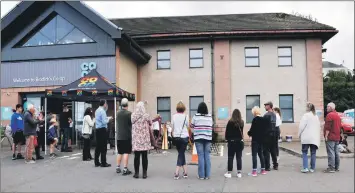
[(87, 67)]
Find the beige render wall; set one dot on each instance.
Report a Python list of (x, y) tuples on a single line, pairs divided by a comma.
[(269, 80), (180, 82), (127, 78)]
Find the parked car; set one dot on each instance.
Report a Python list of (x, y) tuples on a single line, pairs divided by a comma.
[(347, 125), (349, 113)]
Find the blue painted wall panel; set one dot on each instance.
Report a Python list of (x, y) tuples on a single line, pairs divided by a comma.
[(54, 72)]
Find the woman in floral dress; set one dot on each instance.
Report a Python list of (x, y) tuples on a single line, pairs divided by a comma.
[(141, 144)]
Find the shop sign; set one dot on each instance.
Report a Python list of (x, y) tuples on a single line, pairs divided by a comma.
[(223, 113), (54, 72), (6, 113)]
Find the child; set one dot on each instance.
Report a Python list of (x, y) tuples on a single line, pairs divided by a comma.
[(52, 137), (343, 145)]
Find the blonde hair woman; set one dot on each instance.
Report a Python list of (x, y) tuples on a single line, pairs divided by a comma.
[(179, 123), (309, 133), (257, 132)]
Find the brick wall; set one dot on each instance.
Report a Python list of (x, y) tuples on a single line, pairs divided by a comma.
[(11, 96), (222, 82), (314, 73)]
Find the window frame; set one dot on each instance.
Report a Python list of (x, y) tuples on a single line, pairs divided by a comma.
[(196, 57), (246, 105), (293, 108), (278, 56), (246, 57), (40, 26), (163, 59), (164, 97), (196, 96)]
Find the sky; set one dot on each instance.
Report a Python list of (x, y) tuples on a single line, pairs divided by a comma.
[(339, 14)]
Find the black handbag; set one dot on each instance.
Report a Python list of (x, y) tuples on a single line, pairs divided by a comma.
[(241, 133), (177, 139)]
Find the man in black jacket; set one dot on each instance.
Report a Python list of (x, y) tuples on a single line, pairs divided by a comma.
[(31, 122), (65, 119), (269, 145)]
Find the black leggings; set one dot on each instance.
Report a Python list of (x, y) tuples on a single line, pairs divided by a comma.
[(235, 148), (86, 149), (137, 155)]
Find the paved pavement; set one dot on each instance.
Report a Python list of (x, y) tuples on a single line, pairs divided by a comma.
[(69, 174), (295, 149)]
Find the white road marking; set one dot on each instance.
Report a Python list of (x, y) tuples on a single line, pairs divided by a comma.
[(73, 158), (76, 154), (63, 157)]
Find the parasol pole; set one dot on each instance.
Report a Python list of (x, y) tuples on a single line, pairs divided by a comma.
[(115, 127), (45, 125)]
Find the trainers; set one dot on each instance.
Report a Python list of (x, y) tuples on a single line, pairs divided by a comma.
[(126, 172), (239, 175), (176, 176), (30, 162), (52, 156), (268, 169), (305, 170), (19, 156), (207, 178), (228, 175), (14, 157), (185, 176), (118, 170), (329, 170), (254, 173), (263, 172), (311, 170), (337, 170)]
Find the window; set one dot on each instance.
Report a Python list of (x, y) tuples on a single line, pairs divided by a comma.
[(285, 56), (163, 108), (163, 59), (251, 101), (194, 102), (196, 58), (286, 106), (57, 31), (251, 57)]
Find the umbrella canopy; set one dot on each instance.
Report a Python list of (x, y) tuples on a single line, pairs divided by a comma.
[(91, 87)]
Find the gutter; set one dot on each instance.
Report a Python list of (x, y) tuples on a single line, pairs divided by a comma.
[(235, 32), (135, 46), (212, 82)]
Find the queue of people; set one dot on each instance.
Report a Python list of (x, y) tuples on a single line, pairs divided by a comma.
[(136, 134)]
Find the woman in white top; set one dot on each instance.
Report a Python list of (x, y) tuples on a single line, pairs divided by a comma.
[(309, 133), (278, 130), (179, 123), (169, 130), (88, 124)]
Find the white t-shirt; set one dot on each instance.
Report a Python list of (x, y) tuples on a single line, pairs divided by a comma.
[(169, 130), (180, 129), (156, 125), (278, 120)]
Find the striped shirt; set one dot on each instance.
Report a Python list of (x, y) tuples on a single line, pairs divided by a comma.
[(202, 127)]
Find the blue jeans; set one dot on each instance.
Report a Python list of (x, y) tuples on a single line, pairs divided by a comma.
[(333, 154), (203, 148), (305, 148), (181, 147)]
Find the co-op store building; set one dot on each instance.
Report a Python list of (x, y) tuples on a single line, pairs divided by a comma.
[(228, 61)]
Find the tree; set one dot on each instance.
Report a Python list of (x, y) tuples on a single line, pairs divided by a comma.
[(338, 87)]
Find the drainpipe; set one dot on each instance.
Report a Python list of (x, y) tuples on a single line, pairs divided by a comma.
[(212, 82)]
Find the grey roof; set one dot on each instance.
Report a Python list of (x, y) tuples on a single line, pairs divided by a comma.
[(217, 23), (327, 64)]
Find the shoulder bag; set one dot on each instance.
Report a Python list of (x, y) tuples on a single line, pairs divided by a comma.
[(176, 139), (241, 134)]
